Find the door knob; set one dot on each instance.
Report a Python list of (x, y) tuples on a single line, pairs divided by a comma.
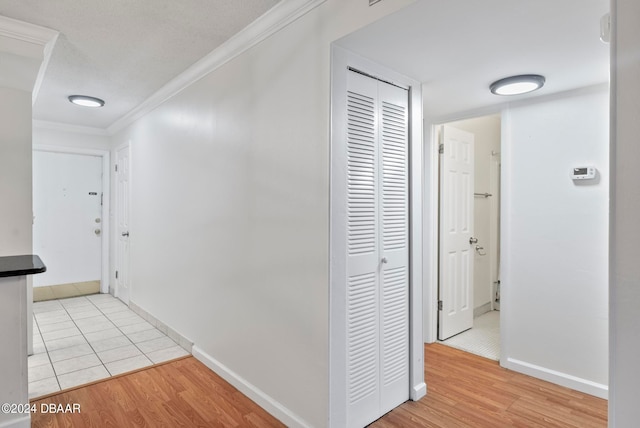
[(384, 260), (97, 232), (125, 233), (473, 240)]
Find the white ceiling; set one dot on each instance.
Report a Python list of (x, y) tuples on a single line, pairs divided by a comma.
[(123, 51), (458, 47)]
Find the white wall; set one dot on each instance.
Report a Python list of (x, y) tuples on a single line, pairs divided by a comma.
[(486, 131), (230, 226), (46, 136), (625, 212), (555, 239), (15, 172)]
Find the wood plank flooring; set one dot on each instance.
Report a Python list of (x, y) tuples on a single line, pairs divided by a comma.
[(182, 393), (464, 391)]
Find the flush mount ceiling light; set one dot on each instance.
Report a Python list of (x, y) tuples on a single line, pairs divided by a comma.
[(516, 85), (86, 101)]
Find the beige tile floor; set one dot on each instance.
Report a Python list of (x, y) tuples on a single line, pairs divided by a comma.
[(62, 291), (83, 339)]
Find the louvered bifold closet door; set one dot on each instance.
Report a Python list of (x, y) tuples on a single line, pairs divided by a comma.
[(394, 230), (377, 249)]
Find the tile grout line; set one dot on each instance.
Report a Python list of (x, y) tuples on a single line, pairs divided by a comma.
[(93, 305), (135, 344), (106, 315), (125, 335), (83, 336), (46, 350)]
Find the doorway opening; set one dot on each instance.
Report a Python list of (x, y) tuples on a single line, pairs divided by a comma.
[(469, 266), (71, 221)]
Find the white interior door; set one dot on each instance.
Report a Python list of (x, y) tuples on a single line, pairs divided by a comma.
[(377, 289), (67, 207), (456, 232), (122, 223)]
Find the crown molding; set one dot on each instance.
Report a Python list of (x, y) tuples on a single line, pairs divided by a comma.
[(65, 127), (48, 48), (29, 46), (274, 20), (25, 32)]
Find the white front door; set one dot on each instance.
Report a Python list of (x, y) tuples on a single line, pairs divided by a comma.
[(67, 225), (456, 232), (122, 223), (377, 274)]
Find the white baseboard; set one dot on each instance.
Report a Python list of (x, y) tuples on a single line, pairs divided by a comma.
[(272, 406), (559, 378), (418, 391), (23, 422), (481, 310)]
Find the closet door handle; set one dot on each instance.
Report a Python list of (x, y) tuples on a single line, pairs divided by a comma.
[(384, 260), (125, 233)]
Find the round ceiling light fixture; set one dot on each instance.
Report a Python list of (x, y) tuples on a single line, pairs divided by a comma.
[(86, 101), (516, 85)]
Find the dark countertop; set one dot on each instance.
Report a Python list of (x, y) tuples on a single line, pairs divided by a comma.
[(21, 265)]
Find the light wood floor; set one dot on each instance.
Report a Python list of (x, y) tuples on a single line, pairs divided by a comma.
[(464, 391), (182, 393)]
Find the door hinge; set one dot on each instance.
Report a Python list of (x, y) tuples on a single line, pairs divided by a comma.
[(116, 167), (116, 274), (439, 305), (441, 149)]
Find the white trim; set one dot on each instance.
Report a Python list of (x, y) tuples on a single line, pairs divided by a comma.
[(431, 233), (505, 233), (23, 422), (106, 198), (25, 32), (265, 401), (559, 378), (281, 15), (24, 37), (48, 48), (65, 127), (116, 288), (341, 59)]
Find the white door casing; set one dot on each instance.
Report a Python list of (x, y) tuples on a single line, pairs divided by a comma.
[(377, 291), (456, 232), (123, 201), (68, 216)]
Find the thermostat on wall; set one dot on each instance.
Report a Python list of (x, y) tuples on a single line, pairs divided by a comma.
[(583, 173)]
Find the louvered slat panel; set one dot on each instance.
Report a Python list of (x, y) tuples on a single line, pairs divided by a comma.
[(362, 338), (361, 159), (394, 166), (395, 324)]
